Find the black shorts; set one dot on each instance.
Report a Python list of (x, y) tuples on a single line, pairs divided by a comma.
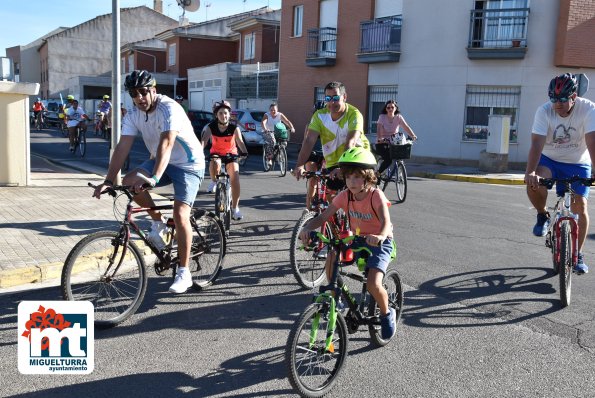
[(336, 184), (317, 158)]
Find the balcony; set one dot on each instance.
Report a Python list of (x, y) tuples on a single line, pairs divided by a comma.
[(322, 47), (380, 40), (498, 34)]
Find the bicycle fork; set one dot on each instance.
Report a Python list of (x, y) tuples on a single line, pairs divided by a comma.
[(325, 299)]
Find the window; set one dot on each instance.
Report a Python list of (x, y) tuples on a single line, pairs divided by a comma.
[(172, 55), (377, 98), (298, 19), (249, 46), (483, 101)]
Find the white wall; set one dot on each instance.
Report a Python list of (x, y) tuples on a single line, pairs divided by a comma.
[(387, 8), (434, 70)]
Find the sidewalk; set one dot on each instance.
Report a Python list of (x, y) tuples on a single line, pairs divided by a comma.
[(41, 223)]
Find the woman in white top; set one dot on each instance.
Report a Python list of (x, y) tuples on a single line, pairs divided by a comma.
[(269, 120), (388, 131)]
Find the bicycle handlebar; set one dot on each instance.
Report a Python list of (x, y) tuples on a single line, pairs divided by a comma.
[(227, 156), (112, 190)]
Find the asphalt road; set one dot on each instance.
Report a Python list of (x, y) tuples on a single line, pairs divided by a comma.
[(482, 314)]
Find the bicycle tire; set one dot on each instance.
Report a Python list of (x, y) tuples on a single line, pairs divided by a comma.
[(227, 214), (401, 182), (115, 298), (282, 155), (219, 200), (552, 243), (312, 370), (207, 251), (565, 263), (394, 288), (386, 177), (265, 164), (82, 143), (307, 266)]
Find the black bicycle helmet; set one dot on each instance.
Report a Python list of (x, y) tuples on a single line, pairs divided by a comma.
[(563, 86), (139, 78)]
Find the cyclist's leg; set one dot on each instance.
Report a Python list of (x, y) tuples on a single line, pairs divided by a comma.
[(538, 196), (143, 198), (233, 169), (214, 168), (377, 265), (269, 139), (384, 151), (311, 184), (71, 134), (579, 205)]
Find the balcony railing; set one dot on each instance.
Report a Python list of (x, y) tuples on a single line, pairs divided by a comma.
[(498, 33), (322, 47), (380, 40)]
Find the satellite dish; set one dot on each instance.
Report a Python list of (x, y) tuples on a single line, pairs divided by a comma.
[(189, 5)]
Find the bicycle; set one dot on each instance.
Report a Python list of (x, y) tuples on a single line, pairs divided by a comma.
[(109, 269), (397, 172), (317, 344), (278, 155), (40, 122), (562, 234), (80, 141), (101, 128), (308, 264), (223, 191)]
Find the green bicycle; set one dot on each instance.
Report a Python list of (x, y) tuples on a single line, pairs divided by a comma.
[(317, 344)]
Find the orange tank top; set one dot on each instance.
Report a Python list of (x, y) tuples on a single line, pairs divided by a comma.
[(224, 142)]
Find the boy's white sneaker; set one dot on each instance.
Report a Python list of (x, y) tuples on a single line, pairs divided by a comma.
[(182, 282)]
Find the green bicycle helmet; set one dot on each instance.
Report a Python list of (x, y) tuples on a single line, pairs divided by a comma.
[(358, 157)]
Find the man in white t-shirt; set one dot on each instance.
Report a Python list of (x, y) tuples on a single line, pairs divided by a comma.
[(75, 117), (562, 146), (176, 157)]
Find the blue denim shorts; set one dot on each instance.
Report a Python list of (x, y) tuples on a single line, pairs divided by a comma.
[(186, 182), (380, 257), (567, 170)]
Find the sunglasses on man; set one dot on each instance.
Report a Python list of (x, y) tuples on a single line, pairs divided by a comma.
[(143, 91), (334, 98), (563, 100)]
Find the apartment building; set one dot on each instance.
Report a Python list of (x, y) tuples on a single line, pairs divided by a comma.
[(449, 64)]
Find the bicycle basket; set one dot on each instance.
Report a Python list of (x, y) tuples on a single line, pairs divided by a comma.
[(281, 135), (398, 152)]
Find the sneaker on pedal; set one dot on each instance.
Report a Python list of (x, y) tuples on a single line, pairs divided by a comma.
[(157, 234), (580, 267), (543, 222), (212, 187), (182, 282), (236, 215), (388, 324)]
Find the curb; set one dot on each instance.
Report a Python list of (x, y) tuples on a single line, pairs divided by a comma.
[(468, 178)]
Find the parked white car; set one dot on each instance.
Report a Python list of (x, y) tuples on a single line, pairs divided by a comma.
[(249, 122)]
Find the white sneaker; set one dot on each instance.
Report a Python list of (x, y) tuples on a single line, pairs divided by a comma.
[(182, 282), (212, 187), (236, 214), (158, 234)]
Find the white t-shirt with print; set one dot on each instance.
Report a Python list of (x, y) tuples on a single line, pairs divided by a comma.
[(565, 136), (168, 116), (74, 116)]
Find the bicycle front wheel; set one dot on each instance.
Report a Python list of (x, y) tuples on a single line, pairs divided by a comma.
[(394, 288), (112, 277), (265, 164), (565, 263), (314, 369), (82, 147), (208, 250), (282, 156), (308, 264), (401, 182)]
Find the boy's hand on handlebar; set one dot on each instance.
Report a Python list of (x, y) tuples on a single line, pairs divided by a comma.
[(299, 172), (374, 240)]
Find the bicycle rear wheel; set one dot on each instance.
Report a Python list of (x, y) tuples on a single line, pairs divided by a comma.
[(308, 265), (207, 251), (282, 157), (313, 370), (401, 182), (394, 288), (90, 274), (82, 143), (566, 264)]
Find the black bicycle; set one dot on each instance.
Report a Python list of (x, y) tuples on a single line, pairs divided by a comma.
[(223, 190), (317, 344), (108, 267), (278, 156), (397, 172)]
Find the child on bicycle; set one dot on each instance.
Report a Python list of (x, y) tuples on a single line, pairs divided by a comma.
[(367, 211)]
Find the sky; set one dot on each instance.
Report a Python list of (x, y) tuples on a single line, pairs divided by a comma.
[(26, 21)]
